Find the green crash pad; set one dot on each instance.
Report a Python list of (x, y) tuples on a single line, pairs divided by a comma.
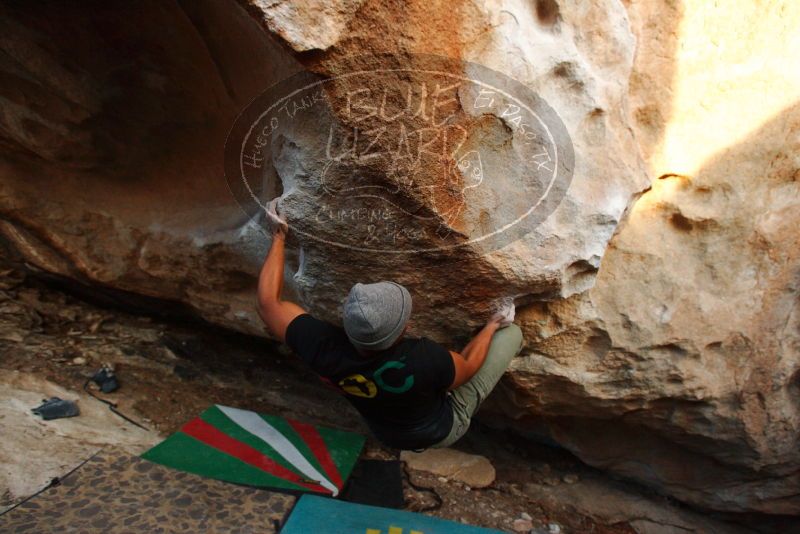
[(320, 514), (249, 448)]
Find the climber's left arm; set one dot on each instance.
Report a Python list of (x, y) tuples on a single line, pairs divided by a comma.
[(276, 313)]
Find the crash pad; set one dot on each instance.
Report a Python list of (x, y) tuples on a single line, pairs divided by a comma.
[(254, 449), (116, 492), (332, 516)]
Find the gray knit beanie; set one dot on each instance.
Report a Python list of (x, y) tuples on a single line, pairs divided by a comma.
[(376, 314)]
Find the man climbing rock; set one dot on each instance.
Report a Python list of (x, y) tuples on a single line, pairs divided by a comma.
[(412, 392)]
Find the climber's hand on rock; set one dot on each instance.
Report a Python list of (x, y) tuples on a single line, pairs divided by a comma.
[(504, 316), (279, 225)]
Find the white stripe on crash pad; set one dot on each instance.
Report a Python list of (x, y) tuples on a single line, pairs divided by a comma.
[(254, 424)]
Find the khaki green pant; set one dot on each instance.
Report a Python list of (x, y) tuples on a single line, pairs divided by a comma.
[(467, 398)]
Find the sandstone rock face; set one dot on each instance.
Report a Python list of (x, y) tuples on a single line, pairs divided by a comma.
[(663, 347), (159, 220), (112, 126), (686, 348), (584, 81)]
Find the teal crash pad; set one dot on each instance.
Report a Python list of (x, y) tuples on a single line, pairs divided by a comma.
[(321, 514)]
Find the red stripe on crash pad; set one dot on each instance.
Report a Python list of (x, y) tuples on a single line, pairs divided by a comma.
[(204, 432), (317, 445)]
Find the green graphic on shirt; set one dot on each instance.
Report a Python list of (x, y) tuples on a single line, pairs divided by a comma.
[(409, 382)]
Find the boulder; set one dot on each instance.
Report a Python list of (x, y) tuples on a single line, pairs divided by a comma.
[(655, 273), (115, 173), (685, 350), (684, 355)]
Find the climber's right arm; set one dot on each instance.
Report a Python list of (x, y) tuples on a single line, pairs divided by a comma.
[(276, 313)]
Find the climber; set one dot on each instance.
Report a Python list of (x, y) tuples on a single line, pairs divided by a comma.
[(412, 392)]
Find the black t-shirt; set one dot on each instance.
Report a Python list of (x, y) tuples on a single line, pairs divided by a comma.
[(401, 392)]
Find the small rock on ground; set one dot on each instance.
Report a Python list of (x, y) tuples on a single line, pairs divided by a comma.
[(471, 469), (522, 525)]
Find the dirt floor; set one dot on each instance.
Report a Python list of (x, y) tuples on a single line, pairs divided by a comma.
[(51, 343)]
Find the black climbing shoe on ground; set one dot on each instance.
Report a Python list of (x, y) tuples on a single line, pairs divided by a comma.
[(56, 408)]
